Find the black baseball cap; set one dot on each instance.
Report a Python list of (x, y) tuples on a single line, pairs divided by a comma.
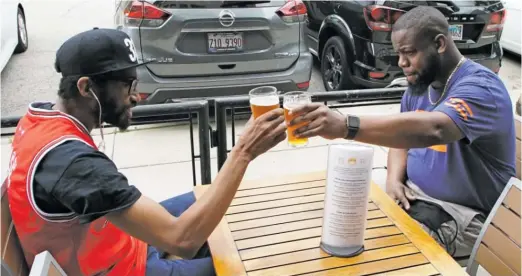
[(94, 52)]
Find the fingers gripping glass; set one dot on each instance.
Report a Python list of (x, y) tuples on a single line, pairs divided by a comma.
[(292, 100), (263, 99)]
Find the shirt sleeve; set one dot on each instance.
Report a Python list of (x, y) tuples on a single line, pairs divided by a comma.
[(92, 187), (472, 107)]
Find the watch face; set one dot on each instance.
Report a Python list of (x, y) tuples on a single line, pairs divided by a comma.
[(353, 126)]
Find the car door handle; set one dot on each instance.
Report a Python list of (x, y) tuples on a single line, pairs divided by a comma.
[(227, 66)]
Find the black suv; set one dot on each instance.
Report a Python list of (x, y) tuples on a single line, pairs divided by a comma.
[(352, 39)]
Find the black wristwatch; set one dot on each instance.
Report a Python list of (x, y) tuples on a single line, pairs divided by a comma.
[(352, 123)]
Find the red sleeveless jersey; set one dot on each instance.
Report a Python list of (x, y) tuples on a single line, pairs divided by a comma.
[(97, 248)]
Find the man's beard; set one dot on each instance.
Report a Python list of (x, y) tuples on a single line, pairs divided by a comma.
[(426, 76), (116, 115), (118, 118)]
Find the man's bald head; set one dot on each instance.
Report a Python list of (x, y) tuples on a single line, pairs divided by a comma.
[(423, 22)]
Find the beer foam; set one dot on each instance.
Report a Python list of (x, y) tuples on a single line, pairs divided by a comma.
[(265, 101), (291, 106)]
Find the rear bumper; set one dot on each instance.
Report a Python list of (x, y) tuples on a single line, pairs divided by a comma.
[(161, 90), (387, 64)]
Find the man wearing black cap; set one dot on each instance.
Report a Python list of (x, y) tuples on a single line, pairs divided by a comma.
[(68, 198)]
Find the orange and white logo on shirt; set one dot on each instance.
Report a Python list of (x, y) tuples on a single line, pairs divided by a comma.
[(460, 106)]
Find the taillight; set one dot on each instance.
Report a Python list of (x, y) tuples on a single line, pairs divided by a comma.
[(144, 14), (380, 18), (496, 21), (293, 11), (143, 96), (303, 85)]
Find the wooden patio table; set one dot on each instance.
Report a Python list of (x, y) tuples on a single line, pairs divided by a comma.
[(273, 227)]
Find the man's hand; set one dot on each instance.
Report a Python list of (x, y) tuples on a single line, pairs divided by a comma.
[(400, 192), (262, 134), (323, 122)]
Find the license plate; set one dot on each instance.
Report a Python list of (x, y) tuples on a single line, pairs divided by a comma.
[(225, 42), (456, 31)]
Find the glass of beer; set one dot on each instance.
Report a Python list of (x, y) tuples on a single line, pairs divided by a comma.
[(263, 99), (292, 100)]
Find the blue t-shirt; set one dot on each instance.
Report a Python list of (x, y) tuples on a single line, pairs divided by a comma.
[(472, 171)]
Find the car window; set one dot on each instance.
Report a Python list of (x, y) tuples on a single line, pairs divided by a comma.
[(190, 4), (458, 3)]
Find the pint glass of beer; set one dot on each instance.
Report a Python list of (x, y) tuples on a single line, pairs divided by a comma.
[(263, 99), (292, 100)]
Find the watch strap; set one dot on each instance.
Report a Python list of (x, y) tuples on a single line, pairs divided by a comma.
[(352, 123)]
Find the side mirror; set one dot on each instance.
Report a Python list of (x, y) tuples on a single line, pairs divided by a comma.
[(398, 82)]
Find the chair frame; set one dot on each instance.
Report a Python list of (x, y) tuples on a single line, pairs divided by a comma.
[(472, 266), (42, 263)]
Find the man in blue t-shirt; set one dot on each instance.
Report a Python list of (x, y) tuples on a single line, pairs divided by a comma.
[(452, 147)]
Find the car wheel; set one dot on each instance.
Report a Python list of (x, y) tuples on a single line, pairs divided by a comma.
[(335, 70), (23, 38)]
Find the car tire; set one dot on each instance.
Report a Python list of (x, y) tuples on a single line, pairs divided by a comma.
[(335, 72), (23, 38)]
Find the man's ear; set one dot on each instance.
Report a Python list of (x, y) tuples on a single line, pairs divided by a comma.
[(83, 87), (441, 43)]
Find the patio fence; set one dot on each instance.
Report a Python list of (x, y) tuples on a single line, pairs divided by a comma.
[(209, 138), (159, 113)]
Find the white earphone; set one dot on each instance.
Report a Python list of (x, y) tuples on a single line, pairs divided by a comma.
[(101, 145)]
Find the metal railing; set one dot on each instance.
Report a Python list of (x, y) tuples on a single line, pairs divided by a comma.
[(159, 113), (351, 97)]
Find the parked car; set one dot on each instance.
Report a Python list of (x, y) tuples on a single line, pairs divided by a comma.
[(510, 38), (353, 43), (13, 30), (209, 49)]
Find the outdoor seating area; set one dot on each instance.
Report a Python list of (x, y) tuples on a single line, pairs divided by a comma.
[(273, 227), (260, 138)]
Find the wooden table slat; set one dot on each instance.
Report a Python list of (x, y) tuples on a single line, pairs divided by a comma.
[(275, 203), (420, 270), (282, 203), (275, 211), (282, 180), (282, 211), (281, 195), (334, 262), (297, 225), (280, 188), (303, 250), (308, 233), (375, 267), (246, 221), (240, 225)]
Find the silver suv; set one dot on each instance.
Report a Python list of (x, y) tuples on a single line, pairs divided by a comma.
[(209, 49)]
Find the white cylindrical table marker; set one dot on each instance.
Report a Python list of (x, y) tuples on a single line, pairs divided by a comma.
[(345, 205)]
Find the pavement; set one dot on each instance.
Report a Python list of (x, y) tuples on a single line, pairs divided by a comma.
[(156, 158)]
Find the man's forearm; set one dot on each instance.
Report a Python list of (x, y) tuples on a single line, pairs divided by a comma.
[(397, 159), (404, 130), (204, 215)]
